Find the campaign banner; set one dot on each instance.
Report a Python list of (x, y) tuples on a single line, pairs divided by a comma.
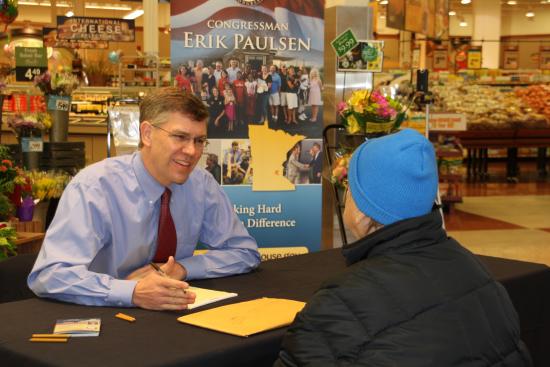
[(258, 67), (95, 29)]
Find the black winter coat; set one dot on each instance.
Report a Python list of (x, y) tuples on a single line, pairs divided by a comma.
[(411, 297)]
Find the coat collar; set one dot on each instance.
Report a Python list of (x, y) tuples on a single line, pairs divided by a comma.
[(405, 234)]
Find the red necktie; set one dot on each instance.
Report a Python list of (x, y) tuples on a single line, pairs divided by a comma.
[(167, 238)]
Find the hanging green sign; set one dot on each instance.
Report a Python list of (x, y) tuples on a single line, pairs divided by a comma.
[(344, 42), (29, 62)]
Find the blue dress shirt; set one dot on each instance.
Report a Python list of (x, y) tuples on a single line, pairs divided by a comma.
[(106, 227)]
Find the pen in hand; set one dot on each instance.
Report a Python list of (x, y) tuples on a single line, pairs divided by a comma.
[(161, 272), (158, 269)]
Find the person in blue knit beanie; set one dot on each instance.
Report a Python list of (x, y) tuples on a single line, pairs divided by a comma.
[(394, 177), (411, 296)]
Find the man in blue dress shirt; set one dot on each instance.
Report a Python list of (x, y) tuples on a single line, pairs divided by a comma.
[(98, 247)]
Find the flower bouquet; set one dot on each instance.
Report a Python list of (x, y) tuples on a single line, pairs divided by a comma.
[(7, 241), (371, 112), (57, 88), (29, 124), (339, 173), (48, 185), (61, 84)]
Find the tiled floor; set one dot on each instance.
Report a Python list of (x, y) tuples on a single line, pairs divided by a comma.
[(503, 219)]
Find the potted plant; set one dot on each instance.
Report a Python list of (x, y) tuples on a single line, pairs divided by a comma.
[(98, 71)]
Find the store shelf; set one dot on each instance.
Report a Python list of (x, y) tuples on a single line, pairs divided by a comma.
[(451, 199), (450, 177)]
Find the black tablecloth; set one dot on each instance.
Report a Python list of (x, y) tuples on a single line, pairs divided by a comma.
[(157, 339)]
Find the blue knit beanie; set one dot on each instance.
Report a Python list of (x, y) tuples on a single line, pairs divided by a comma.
[(394, 177)]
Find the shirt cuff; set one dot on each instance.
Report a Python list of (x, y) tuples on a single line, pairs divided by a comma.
[(194, 267), (121, 293)]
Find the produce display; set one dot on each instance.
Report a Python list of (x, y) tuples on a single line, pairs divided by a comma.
[(488, 107), (536, 97)]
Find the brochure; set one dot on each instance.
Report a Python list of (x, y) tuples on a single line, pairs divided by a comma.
[(78, 327)]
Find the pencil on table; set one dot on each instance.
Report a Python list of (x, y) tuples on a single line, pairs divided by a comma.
[(122, 316)]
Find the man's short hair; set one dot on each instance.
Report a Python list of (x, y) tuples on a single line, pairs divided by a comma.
[(157, 106), (317, 145)]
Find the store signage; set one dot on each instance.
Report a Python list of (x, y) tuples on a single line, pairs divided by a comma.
[(366, 56), (511, 58), (29, 62), (474, 59), (440, 61), (447, 122), (95, 29), (544, 58), (344, 43), (50, 40), (59, 103), (31, 145)]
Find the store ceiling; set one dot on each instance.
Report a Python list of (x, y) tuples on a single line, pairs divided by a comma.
[(520, 6)]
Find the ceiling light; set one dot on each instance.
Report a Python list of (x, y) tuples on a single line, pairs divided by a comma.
[(107, 6), (384, 2), (464, 2), (134, 14), (512, 2), (69, 14), (452, 13), (530, 14), (87, 5), (42, 3), (463, 23)]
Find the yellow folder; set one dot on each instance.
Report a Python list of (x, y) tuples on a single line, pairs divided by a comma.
[(247, 318)]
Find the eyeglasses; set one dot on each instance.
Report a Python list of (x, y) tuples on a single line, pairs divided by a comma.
[(183, 139)]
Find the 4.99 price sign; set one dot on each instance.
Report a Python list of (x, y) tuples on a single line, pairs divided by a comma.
[(344, 42), (29, 62)]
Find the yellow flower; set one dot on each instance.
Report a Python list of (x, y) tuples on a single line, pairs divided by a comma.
[(358, 97), (47, 120), (353, 125)]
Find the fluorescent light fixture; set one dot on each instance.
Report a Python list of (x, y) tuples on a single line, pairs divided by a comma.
[(530, 14), (69, 14), (463, 23), (134, 14), (86, 5), (464, 2), (452, 13), (107, 6), (384, 2), (42, 3), (512, 2)]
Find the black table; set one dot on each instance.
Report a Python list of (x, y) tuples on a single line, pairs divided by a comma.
[(157, 339)]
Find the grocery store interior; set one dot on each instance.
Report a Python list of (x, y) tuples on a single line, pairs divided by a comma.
[(489, 62)]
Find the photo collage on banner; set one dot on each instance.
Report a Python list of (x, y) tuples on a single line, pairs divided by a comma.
[(258, 67)]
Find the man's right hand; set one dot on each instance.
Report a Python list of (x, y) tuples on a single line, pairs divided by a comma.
[(155, 292)]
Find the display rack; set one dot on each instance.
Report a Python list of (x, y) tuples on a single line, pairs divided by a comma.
[(138, 74)]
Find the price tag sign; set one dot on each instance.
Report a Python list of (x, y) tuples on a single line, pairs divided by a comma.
[(29, 62), (32, 145), (344, 43), (447, 122), (59, 103)]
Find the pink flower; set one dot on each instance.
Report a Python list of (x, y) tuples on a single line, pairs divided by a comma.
[(342, 106)]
